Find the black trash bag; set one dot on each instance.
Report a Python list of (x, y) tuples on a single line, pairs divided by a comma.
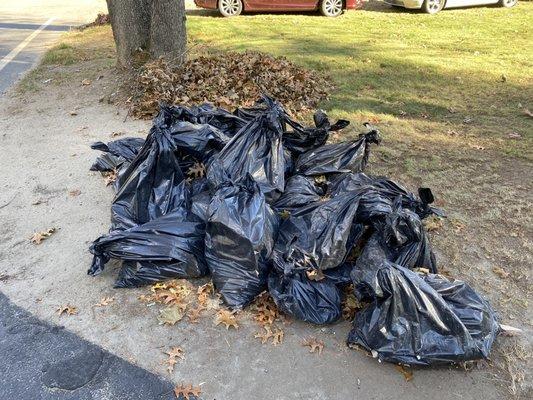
[(349, 156), (170, 246), (116, 153), (150, 186), (380, 195), (198, 140), (318, 236), (423, 319), (206, 113), (317, 302), (256, 150), (240, 235), (300, 191), (398, 237), (301, 139)]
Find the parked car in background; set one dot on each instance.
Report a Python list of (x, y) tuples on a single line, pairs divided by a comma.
[(434, 6), (328, 8)]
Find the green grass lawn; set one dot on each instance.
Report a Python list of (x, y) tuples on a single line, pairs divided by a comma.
[(433, 71)]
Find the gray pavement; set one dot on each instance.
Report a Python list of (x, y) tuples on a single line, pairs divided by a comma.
[(41, 361), (24, 38)]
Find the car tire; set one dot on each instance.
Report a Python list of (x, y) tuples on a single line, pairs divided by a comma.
[(433, 6), (230, 8), (507, 3), (331, 8)]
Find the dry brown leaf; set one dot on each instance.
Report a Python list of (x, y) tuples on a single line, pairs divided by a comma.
[(173, 355), (75, 192), (315, 345), (315, 275), (171, 315), (277, 337), (194, 314), (433, 223), (187, 391), (86, 82), (110, 177), (227, 318), (407, 373), (264, 336), (196, 171), (503, 274), (38, 237), (105, 301), (67, 309)]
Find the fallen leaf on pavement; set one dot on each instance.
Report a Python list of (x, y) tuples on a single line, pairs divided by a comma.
[(75, 192), (277, 337), (171, 315), (173, 355), (407, 374), (315, 346), (264, 336), (105, 301), (67, 309), (187, 391), (38, 237), (227, 318), (195, 313)]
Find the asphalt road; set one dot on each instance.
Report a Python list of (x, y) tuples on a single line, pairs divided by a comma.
[(29, 27)]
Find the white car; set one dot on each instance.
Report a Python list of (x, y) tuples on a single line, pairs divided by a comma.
[(434, 6)]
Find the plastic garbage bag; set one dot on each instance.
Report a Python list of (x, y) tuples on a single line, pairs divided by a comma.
[(300, 190), (256, 150), (198, 140), (308, 258), (116, 153), (240, 236), (318, 236), (301, 139), (206, 113), (424, 319), (380, 195), (349, 156), (170, 246), (318, 302), (149, 187), (296, 138)]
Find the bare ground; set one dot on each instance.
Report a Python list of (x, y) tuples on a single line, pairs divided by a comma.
[(45, 154)]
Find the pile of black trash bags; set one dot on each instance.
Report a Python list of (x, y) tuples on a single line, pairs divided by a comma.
[(260, 202)]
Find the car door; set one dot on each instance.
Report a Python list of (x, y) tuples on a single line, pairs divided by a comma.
[(279, 5)]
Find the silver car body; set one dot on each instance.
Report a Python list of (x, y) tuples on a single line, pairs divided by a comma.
[(415, 4)]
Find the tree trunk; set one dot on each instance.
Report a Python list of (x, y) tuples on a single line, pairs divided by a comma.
[(168, 37), (148, 29)]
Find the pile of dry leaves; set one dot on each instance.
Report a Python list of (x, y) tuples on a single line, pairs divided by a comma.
[(228, 80), (101, 19)]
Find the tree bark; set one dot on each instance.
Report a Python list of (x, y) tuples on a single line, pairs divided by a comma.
[(145, 29), (168, 37)]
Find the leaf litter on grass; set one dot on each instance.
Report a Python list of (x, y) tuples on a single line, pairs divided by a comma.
[(227, 79)]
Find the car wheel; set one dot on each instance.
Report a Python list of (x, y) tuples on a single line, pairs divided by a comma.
[(507, 3), (433, 6), (331, 8), (230, 8)]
